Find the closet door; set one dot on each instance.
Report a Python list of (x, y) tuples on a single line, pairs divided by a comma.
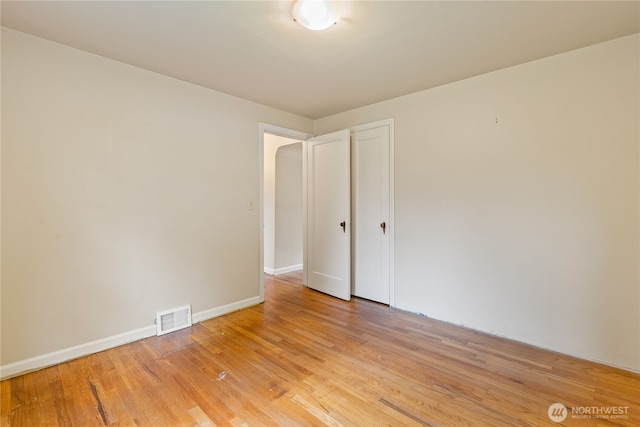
[(371, 213)]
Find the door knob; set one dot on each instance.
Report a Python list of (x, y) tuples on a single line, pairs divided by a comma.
[(344, 226), (384, 227)]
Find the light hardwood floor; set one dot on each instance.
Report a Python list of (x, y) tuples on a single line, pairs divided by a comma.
[(305, 359)]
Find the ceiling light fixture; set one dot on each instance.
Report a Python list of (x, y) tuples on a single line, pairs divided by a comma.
[(316, 14)]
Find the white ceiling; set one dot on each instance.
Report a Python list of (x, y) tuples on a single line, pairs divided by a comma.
[(377, 51)]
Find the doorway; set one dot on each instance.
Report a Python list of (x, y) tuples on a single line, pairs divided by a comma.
[(283, 217), (363, 145), (267, 213)]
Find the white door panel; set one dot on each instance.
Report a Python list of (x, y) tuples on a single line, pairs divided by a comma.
[(328, 206), (371, 214)]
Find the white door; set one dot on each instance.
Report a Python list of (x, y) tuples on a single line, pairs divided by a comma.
[(371, 213), (329, 214)]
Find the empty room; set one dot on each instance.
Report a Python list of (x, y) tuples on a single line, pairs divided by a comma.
[(320, 213)]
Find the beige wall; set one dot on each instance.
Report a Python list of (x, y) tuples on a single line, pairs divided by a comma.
[(288, 207), (528, 227), (124, 193)]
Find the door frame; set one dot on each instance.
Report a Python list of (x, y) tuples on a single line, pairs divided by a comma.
[(392, 224), (303, 136), (286, 133)]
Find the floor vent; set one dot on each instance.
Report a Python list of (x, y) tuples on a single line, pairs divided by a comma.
[(172, 320)]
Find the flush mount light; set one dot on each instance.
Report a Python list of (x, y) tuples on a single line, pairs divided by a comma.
[(316, 14)]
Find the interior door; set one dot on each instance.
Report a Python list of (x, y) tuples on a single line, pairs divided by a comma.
[(329, 214), (371, 214)]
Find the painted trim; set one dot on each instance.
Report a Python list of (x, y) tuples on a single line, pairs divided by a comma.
[(64, 355), (225, 309), (283, 270), (520, 341), (289, 269), (53, 358), (305, 258)]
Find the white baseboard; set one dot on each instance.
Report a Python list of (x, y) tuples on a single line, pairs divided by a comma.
[(630, 366), (225, 309), (285, 270), (49, 359)]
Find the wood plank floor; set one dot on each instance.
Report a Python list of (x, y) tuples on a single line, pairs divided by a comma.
[(305, 359)]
